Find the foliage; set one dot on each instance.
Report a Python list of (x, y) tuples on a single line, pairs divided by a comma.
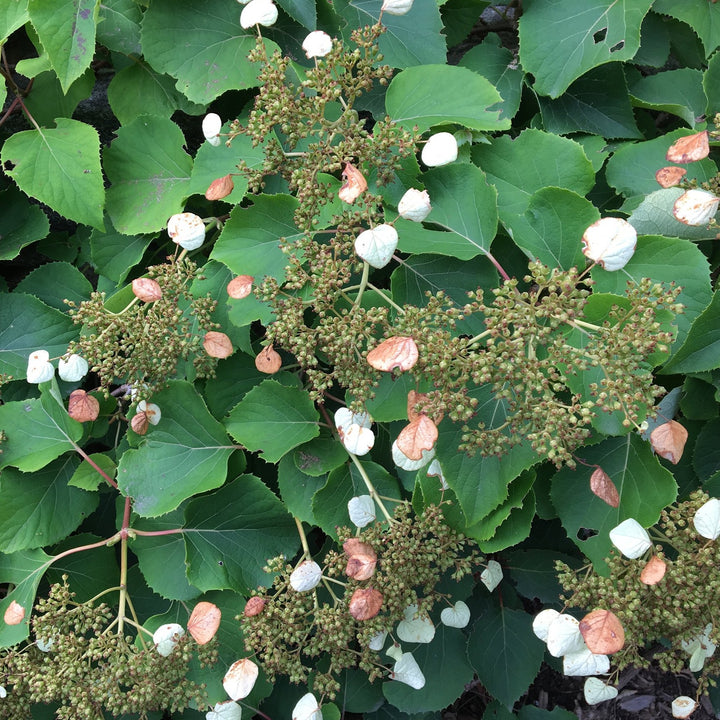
[(480, 313)]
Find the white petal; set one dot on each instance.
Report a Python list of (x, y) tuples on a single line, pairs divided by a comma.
[(585, 662), (707, 519), (564, 636), (45, 644), (397, 7), (492, 575), (457, 616), (377, 641), (358, 440), (187, 230), (696, 207), (440, 149), (344, 418), (151, 410), (697, 659), (394, 651), (214, 141), (630, 538), (414, 205), (3, 692), (610, 242), (377, 245), (435, 470), (404, 462), (240, 679), (305, 576), (211, 125), (406, 670), (258, 12), (542, 622), (228, 710), (683, 706), (166, 638), (39, 372), (596, 691), (73, 369), (317, 44), (38, 357), (307, 708), (361, 510), (416, 627)]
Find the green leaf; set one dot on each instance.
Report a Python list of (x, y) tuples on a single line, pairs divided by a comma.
[(297, 489), (23, 569), (184, 454), (390, 401), (86, 477), (249, 242), (596, 103), (230, 534), (678, 92), (149, 173), (644, 485), (304, 11), (59, 167), (703, 17), (26, 325), (66, 29), (711, 83), (212, 57), (119, 26), (233, 379), (533, 572), (55, 282), (273, 419), (48, 100), (701, 349), (514, 529), (319, 456), (504, 651), (438, 94), (654, 42), (706, 454), (20, 223), (13, 15), (114, 254), (585, 34), (518, 167)]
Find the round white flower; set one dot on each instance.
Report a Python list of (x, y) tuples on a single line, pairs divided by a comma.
[(258, 12), (39, 368), (151, 410), (187, 229), (610, 242), (414, 205), (166, 638), (357, 440), (696, 207), (317, 44), (361, 510), (440, 149), (73, 368), (344, 418), (377, 641), (630, 538), (683, 706), (564, 636), (240, 679), (542, 621), (707, 519), (376, 246), (307, 708), (305, 576), (211, 126), (457, 616), (585, 662)]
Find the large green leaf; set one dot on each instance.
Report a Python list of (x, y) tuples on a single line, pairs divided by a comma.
[(703, 17), (149, 173), (212, 56), (66, 29), (55, 282), (230, 535), (679, 92), (430, 95), (13, 15), (20, 223), (59, 167), (585, 34), (48, 100), (273, 419), (40, 509), (711, 83), (186, 453), (297, 489), (645, 488), (119, 26), (114, 254)]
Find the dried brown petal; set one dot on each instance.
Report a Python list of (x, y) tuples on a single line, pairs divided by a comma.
[(602, 486), (14, 613), (254, 606), (240, 287), (654, 571), (204, 622), (355, 546), (217, 344), (669, 176), (419, 435), (365, 603), (83, 407), (147, 289), (416, 398), (689, 148), (668, 441), (140, 423), (395, 352), (354, 185), (361, 567), (220, 188), (268, 361), (603, 632)]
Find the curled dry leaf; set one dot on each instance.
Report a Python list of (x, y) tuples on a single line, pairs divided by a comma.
[(354, 186), (268, 361), (602, 486), (668, 440), (365, 603), (240, 287), (14, 613), (670, 176), (220, 187), (83, 407), (140, 423), (603, 632), (654, 571), (395, 352), (419, 435), (204, 622), (146, 289), (217, 344), (689, 148), (254, 606)]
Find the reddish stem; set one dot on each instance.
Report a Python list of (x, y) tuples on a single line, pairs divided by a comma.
[(95, 466)]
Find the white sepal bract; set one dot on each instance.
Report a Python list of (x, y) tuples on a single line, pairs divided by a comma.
[(344, 417), (228, 710), (358, 440), (457, 616), (707, 519), (258, 12), (305, 576), (377, 641), (404, 462), (394, 651), (166, 638), (596, 691), (307, 708), (435, 470), (73, 368), (44, 644), (151, 410), (543, 620), (630, 538), (699, 648), (406, 670), (211, 126), (585, 662), (39, 368), (377, 245), (564, 636), (361, 509), (440, 149), (317, 44), (696, 207), (3, 692), (240, 679), (397, 7), (683, 706), (187, 230), (414, 205), (610, 242), (416, 627), (491, 575)]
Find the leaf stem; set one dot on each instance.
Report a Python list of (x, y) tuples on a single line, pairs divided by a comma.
[(371, 488), (363, 283), (303, 539)]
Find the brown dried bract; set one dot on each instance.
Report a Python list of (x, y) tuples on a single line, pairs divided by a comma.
[(668, 440), (140, 423), (204, 622), (268, 361), (254, 606), (240, 287), (602, 486), (217, 344), (355, 184), (14, 613), (670, 176), (362, 559), (220, 188), (395, 352), (419, 435), (416, 398), (83, 407), (603, 632), (654, 571), (689, 148), (365, 603), (146, 289)]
